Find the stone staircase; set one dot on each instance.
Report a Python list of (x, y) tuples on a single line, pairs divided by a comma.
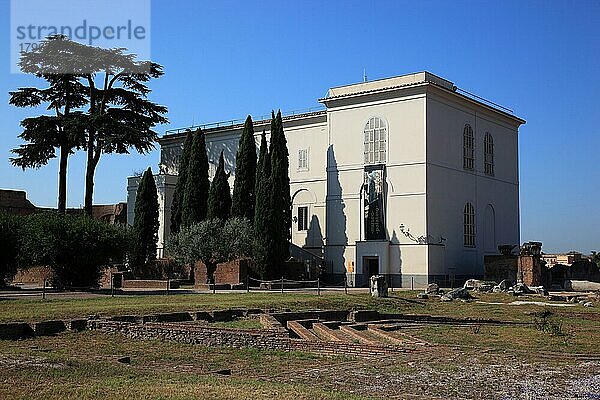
[(372, 333)]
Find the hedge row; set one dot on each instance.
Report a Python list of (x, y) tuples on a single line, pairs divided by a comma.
[(74, 246)]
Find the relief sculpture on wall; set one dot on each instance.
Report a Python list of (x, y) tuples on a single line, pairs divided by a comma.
[(374, 206)]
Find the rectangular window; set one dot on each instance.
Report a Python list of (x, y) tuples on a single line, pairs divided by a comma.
[(303, 159), (302, 218)]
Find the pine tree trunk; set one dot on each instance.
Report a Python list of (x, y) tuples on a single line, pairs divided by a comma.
[(92, 162), (62, 179), (89, 189)]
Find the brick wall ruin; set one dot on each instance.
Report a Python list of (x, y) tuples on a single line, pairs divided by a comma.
[(232, 272), (530, 270), (33, 276), (499, 267)]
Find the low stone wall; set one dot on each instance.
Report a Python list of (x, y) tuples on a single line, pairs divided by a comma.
[(23, 330), (168, 317), (15, 330), (193, 334), (46, 328), (105, 276), (325, 315), (149, 284), (33, 276)]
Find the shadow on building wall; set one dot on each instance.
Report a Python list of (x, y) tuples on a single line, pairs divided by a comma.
[(336, 237), (395, 254), (213, 150), (314, 237), (170, 155)]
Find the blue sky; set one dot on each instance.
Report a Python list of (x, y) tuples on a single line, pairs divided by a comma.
[(226, 59)]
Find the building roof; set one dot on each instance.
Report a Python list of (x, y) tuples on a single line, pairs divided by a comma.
[(351, 90), (388, 83), (239, 123), (412, 80)]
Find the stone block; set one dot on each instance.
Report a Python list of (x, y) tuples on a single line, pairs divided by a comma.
[(238, 312), (582, 286), (127, 318), (15, 330), (221, 315), (46, 328), (77, 325), (363, 315), (168, 317), (203, 316), (379, 287), (432, 288), (530, 270)]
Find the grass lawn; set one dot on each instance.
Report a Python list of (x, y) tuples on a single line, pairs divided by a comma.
[(463, 363), (32, 310)]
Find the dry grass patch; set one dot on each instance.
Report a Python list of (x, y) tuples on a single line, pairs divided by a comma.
[(84, 366)]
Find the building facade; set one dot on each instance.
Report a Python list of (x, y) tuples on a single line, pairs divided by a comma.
[(567, 259), (407, 177)]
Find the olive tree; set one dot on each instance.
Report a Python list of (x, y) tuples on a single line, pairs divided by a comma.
[(212, 242)]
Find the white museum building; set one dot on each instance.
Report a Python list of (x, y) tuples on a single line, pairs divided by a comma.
[(408, 176)]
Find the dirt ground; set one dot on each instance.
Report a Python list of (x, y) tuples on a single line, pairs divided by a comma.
[(447, 373)]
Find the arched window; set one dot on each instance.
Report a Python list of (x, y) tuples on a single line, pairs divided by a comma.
[(469, 225), (468, 148), (488, 158), (375, 141)]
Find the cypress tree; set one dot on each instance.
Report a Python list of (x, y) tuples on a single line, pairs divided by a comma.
[(197, 185), (281, 199), (219, 197), (145, 224), (262, 217), (262, 152), (177, 203), (245, 174)]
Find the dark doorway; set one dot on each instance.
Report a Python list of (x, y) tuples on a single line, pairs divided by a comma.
[(372, 265)]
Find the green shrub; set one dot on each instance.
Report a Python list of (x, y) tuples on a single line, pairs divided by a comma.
[(74, 246), (167, 268), (547, 321), (9, 246)]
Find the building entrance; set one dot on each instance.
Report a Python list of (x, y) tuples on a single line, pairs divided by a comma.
[(372, 266)]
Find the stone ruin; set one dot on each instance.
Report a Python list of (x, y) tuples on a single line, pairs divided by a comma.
[(329, 332), (528, 268), (378, 286)]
